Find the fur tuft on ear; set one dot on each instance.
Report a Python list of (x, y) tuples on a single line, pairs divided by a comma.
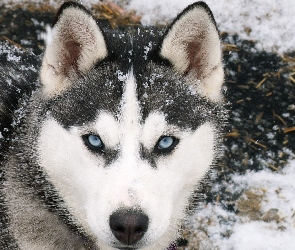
[(77, 43), (193, 47)]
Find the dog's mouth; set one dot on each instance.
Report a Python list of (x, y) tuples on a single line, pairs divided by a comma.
[(128, 248), (171, 247)]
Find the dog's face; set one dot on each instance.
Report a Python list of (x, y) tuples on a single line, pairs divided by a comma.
[(125, 146), (124, 162)]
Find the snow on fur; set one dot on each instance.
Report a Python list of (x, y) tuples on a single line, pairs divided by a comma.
[(272, 25)]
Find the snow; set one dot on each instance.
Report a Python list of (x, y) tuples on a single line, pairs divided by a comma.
[(272, 24), (47, 36), (269, 22), (275, 198), (260, 236), (263, 21), (277, 189)]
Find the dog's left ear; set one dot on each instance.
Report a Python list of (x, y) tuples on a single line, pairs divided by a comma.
[(192, 45)]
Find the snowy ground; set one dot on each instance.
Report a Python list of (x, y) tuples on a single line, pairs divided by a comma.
[(266, 217), (270, 22)]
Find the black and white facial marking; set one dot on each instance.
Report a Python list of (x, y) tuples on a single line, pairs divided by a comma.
[(136, 130), (93, 188)]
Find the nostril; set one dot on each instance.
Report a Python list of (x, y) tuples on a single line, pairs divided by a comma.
[(129, 226), (119, 229), (139, 230)]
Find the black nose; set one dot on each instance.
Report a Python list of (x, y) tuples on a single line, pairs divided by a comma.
[(129, 226)]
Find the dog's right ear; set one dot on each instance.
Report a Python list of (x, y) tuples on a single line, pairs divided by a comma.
[(77, 43), (193, 47)]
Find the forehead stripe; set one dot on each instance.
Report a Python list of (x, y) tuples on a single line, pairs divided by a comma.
[(130, 116)]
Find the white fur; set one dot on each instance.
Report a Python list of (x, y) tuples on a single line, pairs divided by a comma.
[(93, 192), (154, 122), (108, 129), (130, 120)]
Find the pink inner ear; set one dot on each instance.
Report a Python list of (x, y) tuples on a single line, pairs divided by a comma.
[(195, 61), (71, 58)]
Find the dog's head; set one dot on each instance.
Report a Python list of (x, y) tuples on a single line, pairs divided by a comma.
[(129, 123)]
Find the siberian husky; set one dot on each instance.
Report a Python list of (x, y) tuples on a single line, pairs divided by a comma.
[(113, 146)]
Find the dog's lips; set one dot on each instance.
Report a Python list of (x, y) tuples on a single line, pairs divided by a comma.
[(128, 248)]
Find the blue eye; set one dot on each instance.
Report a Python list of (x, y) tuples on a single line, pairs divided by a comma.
[(93, 142), (166, 144)]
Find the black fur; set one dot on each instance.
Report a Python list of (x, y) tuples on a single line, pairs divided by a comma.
[(18, 79)]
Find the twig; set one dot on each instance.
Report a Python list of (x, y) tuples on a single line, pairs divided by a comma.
[(260, 83), (12, 42), (289, 130), (257, 143), (272, 167), (292, 79), (279, 117), (232, 134)]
